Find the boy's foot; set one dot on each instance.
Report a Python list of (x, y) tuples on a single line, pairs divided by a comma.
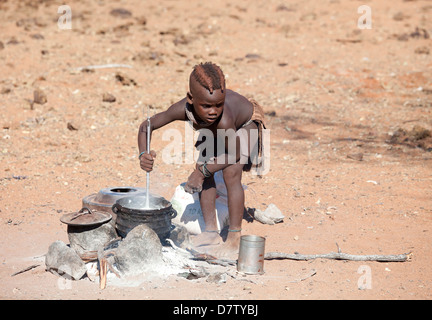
[(207, 238), (226, 250)]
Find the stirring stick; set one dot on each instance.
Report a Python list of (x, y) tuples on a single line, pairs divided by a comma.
[(147, 204)]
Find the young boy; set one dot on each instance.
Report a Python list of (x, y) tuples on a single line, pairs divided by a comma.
[(209, 105)]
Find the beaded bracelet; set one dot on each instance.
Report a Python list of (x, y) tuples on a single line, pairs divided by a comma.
[(205, 171), (139, 157), (200, 168)]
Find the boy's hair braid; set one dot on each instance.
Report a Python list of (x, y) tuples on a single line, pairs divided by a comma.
[(209, 75)]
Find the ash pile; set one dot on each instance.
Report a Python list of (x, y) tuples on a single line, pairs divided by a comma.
[(111, 241)]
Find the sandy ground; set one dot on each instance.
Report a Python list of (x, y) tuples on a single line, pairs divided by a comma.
[(334, 95)]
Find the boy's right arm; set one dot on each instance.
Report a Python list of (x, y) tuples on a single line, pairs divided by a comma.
[(175, 112)]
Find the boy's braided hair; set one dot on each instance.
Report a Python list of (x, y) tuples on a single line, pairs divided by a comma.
[(209, 75)]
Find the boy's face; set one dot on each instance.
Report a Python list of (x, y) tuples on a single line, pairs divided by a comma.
[(208, 106)]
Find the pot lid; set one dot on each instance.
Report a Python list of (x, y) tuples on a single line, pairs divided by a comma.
[(111, 195), (108, 196), (85, 217)]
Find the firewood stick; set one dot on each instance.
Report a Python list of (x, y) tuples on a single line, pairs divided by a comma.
[(310, 274), (103, 273), (25, 270), (102, 66), (339, 256), (111, 268), (89, 256), (180, 250), (305, 257)]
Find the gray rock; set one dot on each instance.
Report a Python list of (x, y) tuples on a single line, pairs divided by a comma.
[(218, 277), (90, 238), (64, 261), (139, 252), (271, 215)]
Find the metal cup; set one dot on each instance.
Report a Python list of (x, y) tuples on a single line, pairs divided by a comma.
[(251, 254)]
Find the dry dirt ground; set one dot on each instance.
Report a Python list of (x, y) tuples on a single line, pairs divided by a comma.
[(334, 94)]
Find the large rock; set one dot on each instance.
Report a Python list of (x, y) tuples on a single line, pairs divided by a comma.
[(90, 238), (139, 252), (64, 261)]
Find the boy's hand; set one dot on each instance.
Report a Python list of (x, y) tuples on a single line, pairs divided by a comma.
[(195, 182), (146, 160)]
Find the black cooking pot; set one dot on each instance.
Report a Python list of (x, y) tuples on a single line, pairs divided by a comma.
[(132, 211)]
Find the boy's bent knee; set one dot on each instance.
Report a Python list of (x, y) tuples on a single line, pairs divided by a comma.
[(233, 173)]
